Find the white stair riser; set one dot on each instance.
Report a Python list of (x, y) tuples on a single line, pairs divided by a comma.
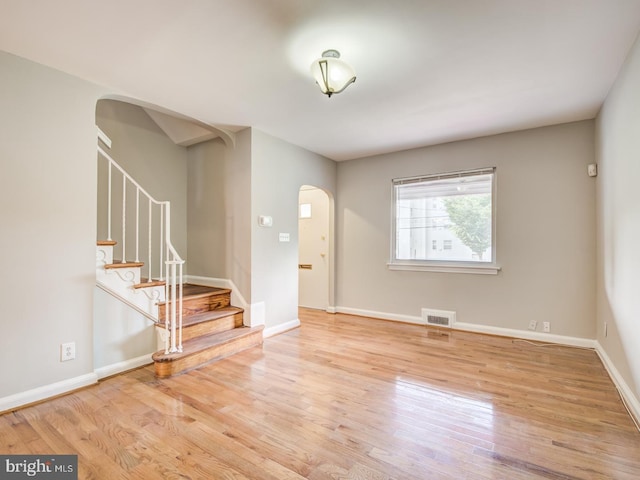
[(122, 280), (104, 255)]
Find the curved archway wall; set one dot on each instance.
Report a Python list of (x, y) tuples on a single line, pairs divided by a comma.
[(160, 166)]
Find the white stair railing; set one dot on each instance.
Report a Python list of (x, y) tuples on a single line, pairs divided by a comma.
[(168, 264)]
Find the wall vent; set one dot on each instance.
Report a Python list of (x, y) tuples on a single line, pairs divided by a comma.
[(438, 318)]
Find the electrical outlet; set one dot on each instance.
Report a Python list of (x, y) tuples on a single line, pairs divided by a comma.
[(546, 327), (533, 324), (67, 351)]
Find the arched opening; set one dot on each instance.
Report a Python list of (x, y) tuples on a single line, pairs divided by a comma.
[(314, 248)]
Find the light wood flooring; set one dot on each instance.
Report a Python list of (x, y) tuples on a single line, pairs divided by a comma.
[(345, 397)]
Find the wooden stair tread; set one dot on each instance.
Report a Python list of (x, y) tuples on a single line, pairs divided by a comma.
[(106, 243), (199, 344), (207, 316), (153, 283), (191, 291), (121, 264)]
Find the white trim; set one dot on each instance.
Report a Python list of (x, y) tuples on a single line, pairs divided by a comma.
[(444, 266), (123, 366), (46, 391), (628, 395), (471, 327), (381, 315), (331, 310), (278, 329), (526, 335), (444, 176), (103, 136), (482, 269), (258, 315), (149, 316)]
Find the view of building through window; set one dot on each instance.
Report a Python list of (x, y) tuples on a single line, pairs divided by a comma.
[(445, 218)]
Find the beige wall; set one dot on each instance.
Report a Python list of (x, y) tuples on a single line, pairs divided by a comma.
[(238, 206), (618, 155), (206, 216), (48, 215), (545, 233), (278, 171), (219, 211)]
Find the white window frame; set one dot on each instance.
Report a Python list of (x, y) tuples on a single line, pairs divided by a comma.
[(451, 266)]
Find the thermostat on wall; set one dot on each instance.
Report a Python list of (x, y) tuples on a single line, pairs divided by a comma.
[(265, 221)]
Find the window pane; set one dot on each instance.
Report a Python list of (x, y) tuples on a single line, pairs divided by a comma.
[(305, 210), (446, 219)]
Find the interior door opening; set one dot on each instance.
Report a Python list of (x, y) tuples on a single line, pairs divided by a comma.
[(313, 248)]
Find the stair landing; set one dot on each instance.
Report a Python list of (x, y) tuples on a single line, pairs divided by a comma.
[(212, 329), (206, 349)]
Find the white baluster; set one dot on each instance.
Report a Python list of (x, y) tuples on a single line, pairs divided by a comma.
[(161, 250), (124, 218), (170, 266), (137, 224), (109, 206), (149, 240)]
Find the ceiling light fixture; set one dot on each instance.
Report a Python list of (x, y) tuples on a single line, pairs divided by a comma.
[(332, 74)]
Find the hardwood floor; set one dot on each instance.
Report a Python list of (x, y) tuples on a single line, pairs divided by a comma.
[(344, 397)]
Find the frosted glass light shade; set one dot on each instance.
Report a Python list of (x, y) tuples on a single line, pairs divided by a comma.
[(332, 74)]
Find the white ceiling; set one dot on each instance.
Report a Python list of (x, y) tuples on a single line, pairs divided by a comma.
[(429, 71)]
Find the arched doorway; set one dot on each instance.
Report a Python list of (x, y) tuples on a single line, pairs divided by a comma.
[(314, 247)]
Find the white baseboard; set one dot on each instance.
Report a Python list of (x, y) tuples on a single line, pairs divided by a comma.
[(46, 391), (331, 309), (471, 327), (381, 315), (123, 366), (283, 327), (258, 315), (526, 335), (627, 394)]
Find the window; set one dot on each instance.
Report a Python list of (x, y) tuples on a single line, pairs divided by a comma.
[(455, 210), (305, 210)]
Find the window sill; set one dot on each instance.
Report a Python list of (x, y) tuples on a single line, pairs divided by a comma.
[(484, 269)]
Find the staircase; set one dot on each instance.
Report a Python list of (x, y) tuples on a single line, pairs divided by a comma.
[(195, 324), (211, 329)]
